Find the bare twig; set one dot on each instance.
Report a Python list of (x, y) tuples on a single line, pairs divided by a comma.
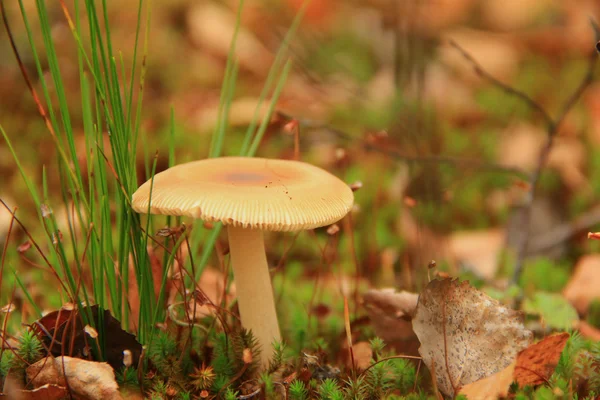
[(503, 86), (552, 127), (564, 232), (424, 159)]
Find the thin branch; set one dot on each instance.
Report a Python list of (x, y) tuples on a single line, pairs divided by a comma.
[(564, 232), (524, 97), (543, 157), (552, 127), (425, 159)]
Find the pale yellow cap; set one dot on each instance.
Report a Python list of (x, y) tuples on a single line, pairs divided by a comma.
[(268, 194)]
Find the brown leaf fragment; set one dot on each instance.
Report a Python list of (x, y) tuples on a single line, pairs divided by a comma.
[(46, 392), (584, 285), (390, 313), (360, 358), (588, 331), (66, 326), (465, 335), (536, 363), (492, 387), (85, 379), (395, 304), (478, 251)]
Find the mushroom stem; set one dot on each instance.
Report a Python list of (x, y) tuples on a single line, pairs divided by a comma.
[(253, 288)]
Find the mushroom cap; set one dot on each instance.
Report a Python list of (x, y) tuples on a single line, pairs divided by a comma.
[(267, 194)]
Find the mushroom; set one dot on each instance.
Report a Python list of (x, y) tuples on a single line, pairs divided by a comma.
[(249, 195)]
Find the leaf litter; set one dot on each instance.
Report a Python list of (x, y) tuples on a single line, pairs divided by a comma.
[(465, 335), (532, 366), (84, 379), (536, 364), (67, 326)]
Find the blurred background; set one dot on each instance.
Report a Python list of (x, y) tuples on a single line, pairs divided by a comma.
[(383, 98)]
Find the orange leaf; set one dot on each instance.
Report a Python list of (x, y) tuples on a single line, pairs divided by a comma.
[(536, 363), (492, 387)]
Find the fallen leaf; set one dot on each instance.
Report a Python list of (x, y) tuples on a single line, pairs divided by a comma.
[(390, 313), (584, 285), (465, 335), (554, 309), (211, 285), (592, 101), (493, 52), (66, 326), (5, 216), (391, 303), (241, 114), (588, 331), (45, 392), (536, 364), (521, 144), (317, 12), (438, 82), (478, 251), (212, 26), (363, 356), (89, 379), (430, 16), (510, 15), (492, 387)]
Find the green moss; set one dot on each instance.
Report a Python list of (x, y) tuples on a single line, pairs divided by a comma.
[(555, 311), (544, 274), (593, 316), (345, 53), (298, 390)]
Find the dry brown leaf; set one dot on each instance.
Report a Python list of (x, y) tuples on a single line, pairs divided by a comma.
[(363, 355), (424, 244), (592, 102), (390, 313), (493, 52), (465, 335), (241, 114), (492, 387), (212, 26), (584, 285), (211, 284), (568, 157), (588, 331), (67, 324), (509, 15), (317, 12), (439, 81), (521, 145), (536, 363), (88, 379), (5, 216), (478, 251), (430, 16), (46, 392)]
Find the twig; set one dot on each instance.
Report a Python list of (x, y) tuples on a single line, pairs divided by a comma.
[(424, 159), (564, 232), (552, 126), (524, 97)]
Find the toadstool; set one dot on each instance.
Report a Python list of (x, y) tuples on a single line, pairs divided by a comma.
[(249, 195)]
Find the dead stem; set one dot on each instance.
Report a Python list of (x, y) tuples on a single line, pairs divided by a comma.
[(552, 127), (394, 154)]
